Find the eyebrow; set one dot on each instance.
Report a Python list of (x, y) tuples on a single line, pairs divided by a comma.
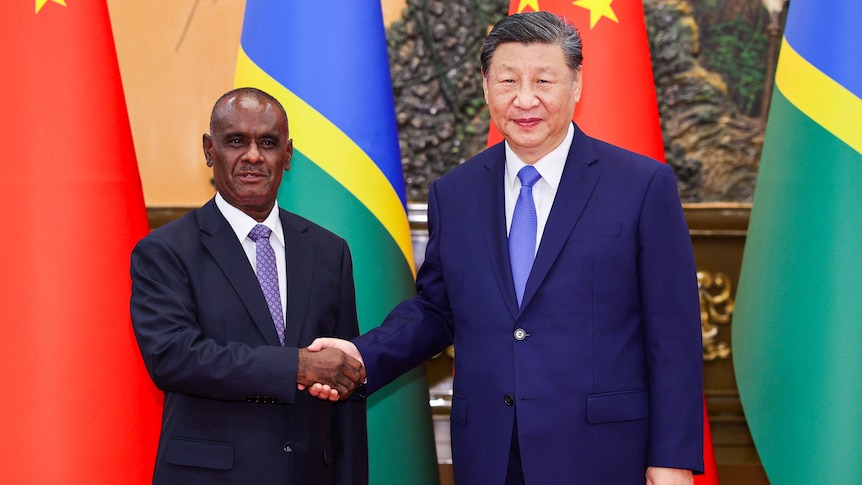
[(239, 134), (513, 67)]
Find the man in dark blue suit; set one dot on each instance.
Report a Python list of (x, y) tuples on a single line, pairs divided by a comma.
[(212, 330), (584, 366)]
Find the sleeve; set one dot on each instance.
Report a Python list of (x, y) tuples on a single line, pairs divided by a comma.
[(419, 327), (671, 315)]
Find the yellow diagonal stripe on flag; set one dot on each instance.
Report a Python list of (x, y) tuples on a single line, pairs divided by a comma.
[(336, 154), (828, 103)]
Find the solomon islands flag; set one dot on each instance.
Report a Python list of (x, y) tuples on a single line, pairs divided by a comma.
[(327, 63), (796, 334)]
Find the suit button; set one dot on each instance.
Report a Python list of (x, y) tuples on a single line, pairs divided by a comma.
[(508, 400), (521, 334), (288, 447)]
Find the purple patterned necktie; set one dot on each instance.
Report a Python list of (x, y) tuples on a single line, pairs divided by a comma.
[(522, 233), (267, 275)]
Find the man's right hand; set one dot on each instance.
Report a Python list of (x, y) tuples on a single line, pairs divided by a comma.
[(336, 372), (321, 389)]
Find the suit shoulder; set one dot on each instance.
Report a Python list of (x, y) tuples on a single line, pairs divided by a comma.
[(179, 228), (477, 165), (627, 166), (624, 158)]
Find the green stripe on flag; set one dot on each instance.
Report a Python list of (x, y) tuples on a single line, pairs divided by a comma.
[(382, 276), (797, 339)]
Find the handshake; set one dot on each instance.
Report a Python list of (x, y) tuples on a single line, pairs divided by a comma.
[(330, 368)]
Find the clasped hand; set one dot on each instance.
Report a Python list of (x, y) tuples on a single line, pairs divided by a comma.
[(329, 373), (334, 388)]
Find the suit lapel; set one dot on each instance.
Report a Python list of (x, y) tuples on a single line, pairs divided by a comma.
[(220, 240), (300, 265), (576, 185), (492, 207)]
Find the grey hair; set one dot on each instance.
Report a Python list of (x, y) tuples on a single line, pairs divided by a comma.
[(534, 27)]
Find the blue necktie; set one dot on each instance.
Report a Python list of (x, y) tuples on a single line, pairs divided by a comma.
[(267, 275), (522, 233)]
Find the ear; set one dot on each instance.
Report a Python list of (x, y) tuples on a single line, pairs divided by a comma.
[(485, 86), (579, 84), (207, 146), (289, 148)]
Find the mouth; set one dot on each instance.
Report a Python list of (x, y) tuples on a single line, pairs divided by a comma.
[(250, 175), (527, 122)]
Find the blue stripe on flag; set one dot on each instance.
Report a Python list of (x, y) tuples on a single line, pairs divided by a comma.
[(821, 31)]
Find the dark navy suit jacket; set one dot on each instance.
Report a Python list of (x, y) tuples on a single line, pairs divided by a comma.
[(601, 366), (232, 413)]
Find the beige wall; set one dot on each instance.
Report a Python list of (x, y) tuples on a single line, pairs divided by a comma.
[(176, 58)]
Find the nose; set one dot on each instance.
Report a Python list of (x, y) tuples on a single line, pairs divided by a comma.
[(252, 155), (525, 97)]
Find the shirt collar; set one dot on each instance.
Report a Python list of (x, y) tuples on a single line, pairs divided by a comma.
[(242, 223), (550, 167)]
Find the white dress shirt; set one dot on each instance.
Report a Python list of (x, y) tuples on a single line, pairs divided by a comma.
[(242, 224), (550, 167)]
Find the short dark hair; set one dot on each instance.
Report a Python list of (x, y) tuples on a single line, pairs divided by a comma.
[(532, 27), (255, 93)]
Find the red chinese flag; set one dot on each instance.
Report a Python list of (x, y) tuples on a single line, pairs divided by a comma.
[(78, 405), (618, 103), (710, 472)]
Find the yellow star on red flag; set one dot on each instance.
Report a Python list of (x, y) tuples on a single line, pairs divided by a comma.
[(41, 3), (598, 9), (534, 4)]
